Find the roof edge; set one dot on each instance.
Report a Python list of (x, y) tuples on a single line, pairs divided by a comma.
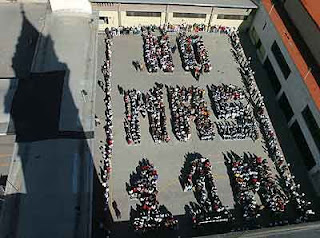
[(152, 2)]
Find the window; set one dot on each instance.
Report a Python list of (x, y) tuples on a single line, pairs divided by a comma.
[(260, 49), (257, 42), (143, 14), (254, 36), (258, 45), (281, 60), (272, 76), (285, 107), (189, 15), (264, 26), (231, 17), (302, 145), (103, 19), (312, 125)]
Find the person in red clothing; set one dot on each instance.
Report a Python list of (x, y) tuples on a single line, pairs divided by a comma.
[(259, 160)]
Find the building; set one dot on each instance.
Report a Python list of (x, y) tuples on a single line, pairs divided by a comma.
[(286, 35), (125, 13)]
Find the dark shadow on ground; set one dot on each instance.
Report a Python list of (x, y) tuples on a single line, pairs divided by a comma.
[(286, 140), (285, 137), (44, 209)]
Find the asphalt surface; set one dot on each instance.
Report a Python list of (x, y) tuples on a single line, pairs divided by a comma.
[(168, 158)]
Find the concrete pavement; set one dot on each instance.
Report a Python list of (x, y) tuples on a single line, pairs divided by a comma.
[(168, 158)]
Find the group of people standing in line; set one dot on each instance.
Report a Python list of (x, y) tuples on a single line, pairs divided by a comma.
[(149, 215), (157, 51), (137, 30), (197, 176), (193, 54), (134, 104), (251, 175), (145, 103), (106, 145), (188, 104), (290, 187), (236, 121), (156, 114)]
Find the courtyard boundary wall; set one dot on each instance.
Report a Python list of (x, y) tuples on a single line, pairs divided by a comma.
[(126, 15)]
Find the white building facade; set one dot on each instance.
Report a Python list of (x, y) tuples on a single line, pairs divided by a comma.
[(128, 13)]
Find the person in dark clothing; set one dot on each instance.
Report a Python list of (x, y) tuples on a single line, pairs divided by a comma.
[(173, 49), (135, 65)]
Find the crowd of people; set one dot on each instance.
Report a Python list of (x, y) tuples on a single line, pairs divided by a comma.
[(134, 105), (188, 104), (226, 101), (202, 55), (237, 121), (149, 103), (291, 188), (150, 215), (197, 176), (107, 145), (156, 114), (230, 130), (250, 175), (193, 54), (157, 51), (137, 30)]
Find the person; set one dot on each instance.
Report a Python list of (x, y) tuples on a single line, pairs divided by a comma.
[(134, 63), (108, 34), (120, 89), (173, 49), (138, 65), (197, 73), (141, 66)]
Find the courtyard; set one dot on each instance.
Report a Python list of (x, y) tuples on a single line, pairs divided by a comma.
[(168, 158)]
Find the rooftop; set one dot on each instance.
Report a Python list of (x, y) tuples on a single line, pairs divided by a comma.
[(289, 42), (211, 3), (313, 8)]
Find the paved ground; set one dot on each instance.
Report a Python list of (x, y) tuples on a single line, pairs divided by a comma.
[(168, 158)]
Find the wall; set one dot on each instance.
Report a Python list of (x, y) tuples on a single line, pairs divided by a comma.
[(305, 25), (113, 19), (294, 87), (225, 22), (228, 11), (135, 21), (166, 14), (180, 20), (231, 11)]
